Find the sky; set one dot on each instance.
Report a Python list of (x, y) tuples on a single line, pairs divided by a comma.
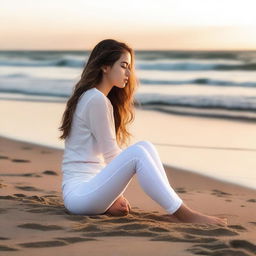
[(143, 24)]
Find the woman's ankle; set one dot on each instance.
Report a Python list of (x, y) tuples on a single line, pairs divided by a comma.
[(184, 213)]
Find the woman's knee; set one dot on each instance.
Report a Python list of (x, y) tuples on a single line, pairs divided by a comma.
[(138, 151), (145, 143)]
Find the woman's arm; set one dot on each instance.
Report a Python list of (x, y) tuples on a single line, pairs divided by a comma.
[(101, 123)]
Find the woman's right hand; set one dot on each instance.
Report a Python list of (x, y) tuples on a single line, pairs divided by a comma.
[(120, 207)]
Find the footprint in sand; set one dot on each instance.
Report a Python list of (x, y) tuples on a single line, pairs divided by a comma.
[(20, 174), (19, 195), (237, 227), (8, 197), (49, 172), (40, 226), (42, 244), (211, 246), (76, 217), (26, 148), (243, 244), (89, 228), (121, 233), (133, 226), (48, 210), (118, 220), (20, 160), (45, 152), (225, 252), (2, 185), (28, 188), (159, 229), (251, 200), (61, 241), (30, 175), (4, 157), (220, 193), (7, 248), (208, 231), (219, 248), (4, 238), (180, 190), (75, 239), (177, 237), (219, 252)]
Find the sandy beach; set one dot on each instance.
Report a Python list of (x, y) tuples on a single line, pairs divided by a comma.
[(35, 222)]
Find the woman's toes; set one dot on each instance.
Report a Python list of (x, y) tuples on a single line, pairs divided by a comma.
[(224, 221), (125, 210)]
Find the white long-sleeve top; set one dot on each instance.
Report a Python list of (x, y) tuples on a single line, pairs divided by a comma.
[(91, 144)]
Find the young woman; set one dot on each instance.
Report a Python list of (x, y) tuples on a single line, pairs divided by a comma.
[(96, 171)]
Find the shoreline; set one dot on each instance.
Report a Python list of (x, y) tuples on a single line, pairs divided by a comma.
[(31, 201), (186, 142), (236, 115)]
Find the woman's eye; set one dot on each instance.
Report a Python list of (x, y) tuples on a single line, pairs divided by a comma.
[(126, 67)]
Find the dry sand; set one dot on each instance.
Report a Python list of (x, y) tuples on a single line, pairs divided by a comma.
[(35, 222)]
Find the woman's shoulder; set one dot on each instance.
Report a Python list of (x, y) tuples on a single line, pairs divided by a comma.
[(94, 97), (90, 94)]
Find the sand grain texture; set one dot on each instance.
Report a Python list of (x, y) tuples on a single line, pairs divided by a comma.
[(35, 222)]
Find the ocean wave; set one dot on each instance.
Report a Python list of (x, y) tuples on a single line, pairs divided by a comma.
[(198, 81), (154, 61), (203, 55), (194, 66), (205, 112), (242, 103), (204, 81), (171, 66), (30, 92), (15, 75), (61, 62)]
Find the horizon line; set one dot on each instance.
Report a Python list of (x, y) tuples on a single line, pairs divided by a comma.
[(180, 50)]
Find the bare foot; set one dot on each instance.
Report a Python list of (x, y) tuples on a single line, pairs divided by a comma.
[(120, 207), (185, 214), (201, 218)]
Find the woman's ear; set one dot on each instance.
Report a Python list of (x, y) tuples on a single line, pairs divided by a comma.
[(104, 69)]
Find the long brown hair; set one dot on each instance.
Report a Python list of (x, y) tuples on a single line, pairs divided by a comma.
[(106, 52)]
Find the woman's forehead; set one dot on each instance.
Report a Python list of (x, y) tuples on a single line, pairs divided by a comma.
[(126, 57)]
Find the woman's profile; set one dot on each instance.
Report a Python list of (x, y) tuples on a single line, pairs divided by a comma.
[(96, 171)]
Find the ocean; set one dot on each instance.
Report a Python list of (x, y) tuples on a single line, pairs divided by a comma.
[(218, 84)]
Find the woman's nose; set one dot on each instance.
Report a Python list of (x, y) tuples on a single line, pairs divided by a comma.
[(128, 72)]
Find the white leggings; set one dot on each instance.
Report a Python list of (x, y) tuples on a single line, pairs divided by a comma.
[(99, 193)]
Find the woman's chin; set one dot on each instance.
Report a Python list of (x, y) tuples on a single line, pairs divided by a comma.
[(121, 86)]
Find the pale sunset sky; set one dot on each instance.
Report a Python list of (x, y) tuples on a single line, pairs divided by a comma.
[(144, 24)]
